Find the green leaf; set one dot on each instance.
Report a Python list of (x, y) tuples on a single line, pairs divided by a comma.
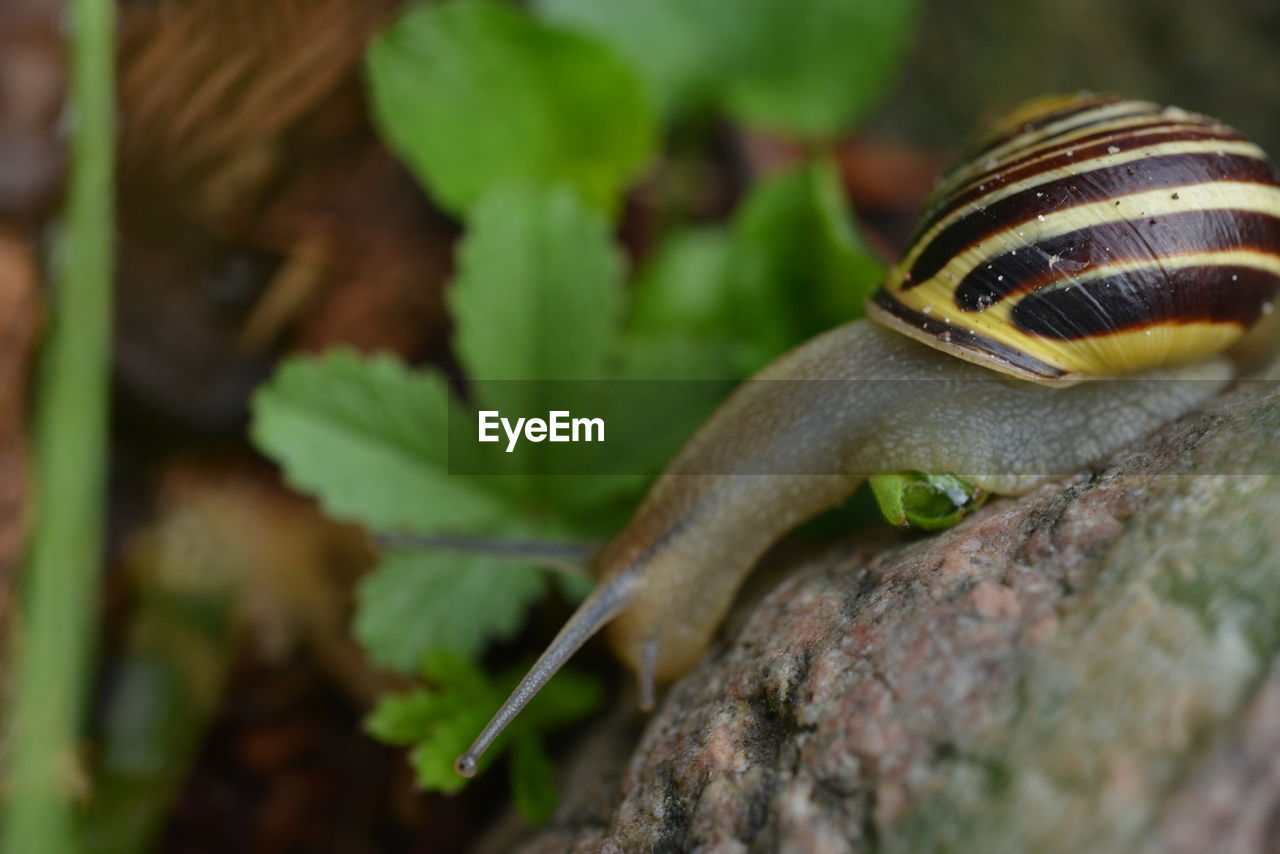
[(532, 779), (810, 67), (569, 697), (930, 502), (441, 722), (443, 667), (538, 299), (798, 229), (477, 93), (799, 266), (685, 286), (717, 302), (656, 36), (401, 719), (367, 437), (679, 326), (538, 294), (888, 490), (415, 602), (432, 757), (573, 587), (805, 67)]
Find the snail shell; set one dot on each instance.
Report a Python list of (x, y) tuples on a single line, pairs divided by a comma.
[(1092, 235)]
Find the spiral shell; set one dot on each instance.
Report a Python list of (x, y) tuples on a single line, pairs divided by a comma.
[(1092, 235)]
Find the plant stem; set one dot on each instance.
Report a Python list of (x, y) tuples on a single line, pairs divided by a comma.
[(60, 584)]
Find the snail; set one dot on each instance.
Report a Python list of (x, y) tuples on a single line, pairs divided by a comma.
[(1088, 237)]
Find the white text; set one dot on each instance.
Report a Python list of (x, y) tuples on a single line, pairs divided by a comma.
[(558, 426)]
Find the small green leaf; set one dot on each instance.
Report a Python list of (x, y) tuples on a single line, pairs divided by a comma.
[(367, 437), (655, 36), (477, 93), (721, 303), (569, 697), (532, 779), (805, 67), (810, 67), (680, 325), (444, 667), (538, 299), (442, 721), (433, 757), (418, 601), (799, 266), (538, 295), (888, 490), (401, 719), (930, 502), (684, 287)]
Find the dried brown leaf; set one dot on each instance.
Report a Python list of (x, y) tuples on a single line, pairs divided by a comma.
[(211, 90)]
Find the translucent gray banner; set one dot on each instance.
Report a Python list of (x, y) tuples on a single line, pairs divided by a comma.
[(990, 429)]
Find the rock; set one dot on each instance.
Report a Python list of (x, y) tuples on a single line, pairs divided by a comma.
[(1091, 667)]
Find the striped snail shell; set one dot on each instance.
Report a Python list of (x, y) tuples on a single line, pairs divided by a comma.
[(1092, 235)]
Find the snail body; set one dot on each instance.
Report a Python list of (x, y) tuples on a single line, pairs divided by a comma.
[(1089, 238)]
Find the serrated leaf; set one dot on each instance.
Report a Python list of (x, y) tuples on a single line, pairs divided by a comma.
[(415, 602), (433, 757), (478, 93), (367, 437), (442, 666), (810, 67), (537, 299), (799, 220), (442, 721), (805, 67), (682, 356), (655, 36), (538, 295), (799, 266), (532, 779), (570, 696), (684, 287), (402, 719)]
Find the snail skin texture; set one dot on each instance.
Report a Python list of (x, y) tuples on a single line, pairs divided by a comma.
[(1088, 238)]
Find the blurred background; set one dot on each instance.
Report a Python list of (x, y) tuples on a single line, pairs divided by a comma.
[(291, 200)]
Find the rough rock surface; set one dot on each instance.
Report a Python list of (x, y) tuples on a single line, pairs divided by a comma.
[(1092, 667)]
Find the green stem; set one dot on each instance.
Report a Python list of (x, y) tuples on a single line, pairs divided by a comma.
[(60, 584)]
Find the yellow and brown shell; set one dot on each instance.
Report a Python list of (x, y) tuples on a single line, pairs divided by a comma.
[(1092, 235)]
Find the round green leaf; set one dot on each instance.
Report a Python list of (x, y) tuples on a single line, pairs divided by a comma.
[(811, 67), (368, 438), (417, 602), (656, 37), (472, 94), (538, 294), (804, 67)]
